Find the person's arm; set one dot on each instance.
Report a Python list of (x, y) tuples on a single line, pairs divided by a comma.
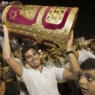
[(72, 73), (7, 54)]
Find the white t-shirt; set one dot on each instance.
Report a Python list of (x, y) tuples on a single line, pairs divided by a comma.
[(44, 83), (83, 55)]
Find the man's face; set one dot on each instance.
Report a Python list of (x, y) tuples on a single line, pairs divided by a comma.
[(32, 58), (87, 82)]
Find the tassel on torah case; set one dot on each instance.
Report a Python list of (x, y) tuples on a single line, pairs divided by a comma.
[(45, 24)]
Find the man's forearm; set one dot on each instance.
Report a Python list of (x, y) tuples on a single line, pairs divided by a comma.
[(6, 45), (74, 67)]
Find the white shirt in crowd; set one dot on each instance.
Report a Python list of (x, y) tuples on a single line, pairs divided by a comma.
[(42, 83), (84, 54)]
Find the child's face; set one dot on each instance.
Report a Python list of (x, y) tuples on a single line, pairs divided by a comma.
[(87, 82)]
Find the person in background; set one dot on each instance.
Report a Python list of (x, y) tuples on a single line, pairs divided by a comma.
[(86, 78), (83, 55)]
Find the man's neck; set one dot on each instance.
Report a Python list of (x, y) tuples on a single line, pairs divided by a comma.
[(40, 68)]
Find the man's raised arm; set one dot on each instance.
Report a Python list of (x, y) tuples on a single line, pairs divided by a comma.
[(72, 73), (7, 54)]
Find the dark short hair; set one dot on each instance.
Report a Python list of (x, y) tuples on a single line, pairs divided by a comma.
[(88, 64)]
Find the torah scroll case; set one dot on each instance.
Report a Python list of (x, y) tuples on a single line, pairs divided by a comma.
[(44, 24)]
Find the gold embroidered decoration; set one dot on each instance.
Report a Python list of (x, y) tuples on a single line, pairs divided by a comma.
[(45, 24)]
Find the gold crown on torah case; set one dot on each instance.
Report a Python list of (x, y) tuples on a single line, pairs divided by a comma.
[(44, 24)]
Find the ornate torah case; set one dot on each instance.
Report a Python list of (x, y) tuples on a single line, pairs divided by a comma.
[(44, 24)]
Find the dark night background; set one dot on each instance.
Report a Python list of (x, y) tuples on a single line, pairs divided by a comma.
[(85, 23)]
